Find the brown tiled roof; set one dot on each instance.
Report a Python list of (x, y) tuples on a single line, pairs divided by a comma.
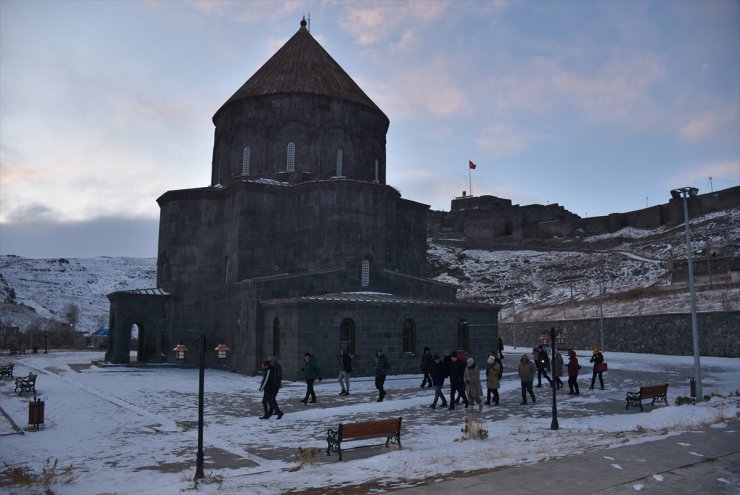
[(302, 66)]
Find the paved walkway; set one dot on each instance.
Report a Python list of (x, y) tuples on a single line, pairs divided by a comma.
[(705, 461)]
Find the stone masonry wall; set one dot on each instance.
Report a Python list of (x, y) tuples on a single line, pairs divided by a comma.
[(719, 333)]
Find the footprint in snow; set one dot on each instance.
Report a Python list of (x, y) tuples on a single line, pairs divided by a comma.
[(658, 477), (638, 487)]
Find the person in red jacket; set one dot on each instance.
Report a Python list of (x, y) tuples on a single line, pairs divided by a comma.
[(573, 368)]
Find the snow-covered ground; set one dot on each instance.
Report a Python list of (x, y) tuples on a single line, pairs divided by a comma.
[(133, 430)]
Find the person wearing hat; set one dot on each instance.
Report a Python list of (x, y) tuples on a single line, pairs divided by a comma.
[(457, 380), (381, 370), (493, 379), (526, 375), (472, 384), (597, 358)]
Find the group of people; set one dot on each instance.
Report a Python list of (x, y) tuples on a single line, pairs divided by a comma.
[(541, 366), (464, 375)]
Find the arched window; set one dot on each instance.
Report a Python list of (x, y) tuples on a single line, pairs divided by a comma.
[(409, 336), (339, 162), (291, 158), (365, 279), (276, 337), (376, 171), (347, 335), (246, 158), (463, 335)]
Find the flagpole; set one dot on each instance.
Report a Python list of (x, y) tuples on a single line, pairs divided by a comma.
[(470, 179)]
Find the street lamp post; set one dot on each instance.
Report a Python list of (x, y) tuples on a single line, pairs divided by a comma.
[(684, 193), (180, 351), (554, 424)]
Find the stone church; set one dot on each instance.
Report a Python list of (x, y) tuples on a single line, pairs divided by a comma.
[(298, 244)]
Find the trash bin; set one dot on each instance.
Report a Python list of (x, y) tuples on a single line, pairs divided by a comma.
[(35, 412)]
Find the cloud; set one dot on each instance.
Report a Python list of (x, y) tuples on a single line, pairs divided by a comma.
[(617, 92), (708, 125), (723, 173), (109, 236), (376, 22), (498, 139), (424, 90)]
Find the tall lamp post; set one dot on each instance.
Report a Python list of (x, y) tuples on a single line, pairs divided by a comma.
[(554, 424), (180, 349), (686, 192)]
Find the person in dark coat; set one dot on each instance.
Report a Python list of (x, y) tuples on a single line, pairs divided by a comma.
[(278, 381), (438, 373), (426, 367), (267, 387), (526, 375), (457, 380), (557, 369), (311, 371), (543, 365), (381, 370), (345, 368), (500, 348), (573, 368), (597, 358)]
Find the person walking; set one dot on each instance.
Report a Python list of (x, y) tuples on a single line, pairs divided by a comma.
[(438, 374), (267, 387), (500, 348), (526, 375), (494, 371), (573, 368), (557, 369), (426, 367), (457, 380), (277, 370), (381, 370), (543, 365), (472, 384), (311, 371), (345, 368), (597, 358)]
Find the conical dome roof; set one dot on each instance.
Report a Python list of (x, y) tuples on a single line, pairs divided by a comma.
[(302, 66)]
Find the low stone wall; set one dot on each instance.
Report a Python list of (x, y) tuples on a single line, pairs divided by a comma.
[(719, 333)]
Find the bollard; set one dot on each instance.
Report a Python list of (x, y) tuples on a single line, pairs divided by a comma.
[(692, 388), (35, 412)]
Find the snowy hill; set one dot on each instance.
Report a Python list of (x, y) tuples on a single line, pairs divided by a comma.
[(45, 288), (634, 268)]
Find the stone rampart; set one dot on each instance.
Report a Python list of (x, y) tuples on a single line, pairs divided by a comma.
[(719, 333)]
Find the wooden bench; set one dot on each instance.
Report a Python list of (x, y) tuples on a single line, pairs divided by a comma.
[(388, 428), (26, 383), (659, 393), (7, 370)]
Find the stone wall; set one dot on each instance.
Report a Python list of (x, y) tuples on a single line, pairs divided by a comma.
[(719, 333), (488, 221)]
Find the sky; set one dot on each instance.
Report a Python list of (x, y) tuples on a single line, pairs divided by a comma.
[(600, 107), (147, 442)]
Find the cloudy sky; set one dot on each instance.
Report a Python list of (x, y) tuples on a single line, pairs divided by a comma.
[(598, 106)]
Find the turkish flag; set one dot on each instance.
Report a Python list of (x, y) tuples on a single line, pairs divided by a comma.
[(472, 165)]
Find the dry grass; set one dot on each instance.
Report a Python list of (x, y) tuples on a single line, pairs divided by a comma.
[(51, 474)]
